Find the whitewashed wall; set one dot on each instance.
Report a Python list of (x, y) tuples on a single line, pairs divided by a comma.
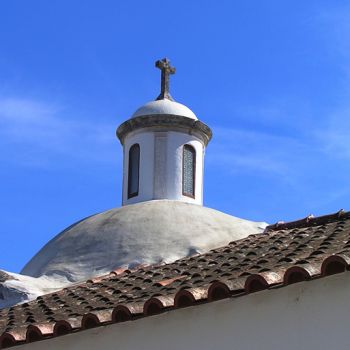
[(310, 315), (161, 166)]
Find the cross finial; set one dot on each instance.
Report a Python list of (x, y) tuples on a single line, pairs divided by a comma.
[(167, 69)]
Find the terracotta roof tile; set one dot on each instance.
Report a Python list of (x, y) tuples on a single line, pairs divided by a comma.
[(286, 253)]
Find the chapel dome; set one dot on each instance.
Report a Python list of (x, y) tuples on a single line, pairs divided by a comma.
[(164, 107), (152, 232)]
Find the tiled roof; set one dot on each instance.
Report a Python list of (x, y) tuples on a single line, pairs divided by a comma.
[(284, 254)]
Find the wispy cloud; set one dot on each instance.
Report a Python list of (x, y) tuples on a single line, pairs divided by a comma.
[(34, 132), (249, 150), (334, 134), (334, 127), (301, 168), (334, 25), (295, 134)]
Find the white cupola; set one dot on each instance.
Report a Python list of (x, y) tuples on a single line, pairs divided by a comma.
[(163, 147)]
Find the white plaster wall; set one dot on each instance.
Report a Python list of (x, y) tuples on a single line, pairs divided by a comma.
[(161, 155), (310, 315)]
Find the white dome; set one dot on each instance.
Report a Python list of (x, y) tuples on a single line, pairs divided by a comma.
[(151, 232), (164, 107)]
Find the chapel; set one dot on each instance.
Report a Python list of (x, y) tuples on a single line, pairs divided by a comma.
[(163, 270), (162, 217)]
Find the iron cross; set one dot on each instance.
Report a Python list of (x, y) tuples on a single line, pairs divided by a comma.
[(167, 69)]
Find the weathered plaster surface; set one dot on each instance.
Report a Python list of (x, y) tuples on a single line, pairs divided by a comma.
[(145, 233), (18, 288), (162, 122)]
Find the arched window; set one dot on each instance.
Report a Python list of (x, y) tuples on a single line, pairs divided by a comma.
[(188, 171), (134, 171)]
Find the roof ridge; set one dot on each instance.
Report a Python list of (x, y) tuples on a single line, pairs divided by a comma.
[(308, 221)]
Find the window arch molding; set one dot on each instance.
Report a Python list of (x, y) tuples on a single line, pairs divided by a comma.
[(134, 171), (189, 171)]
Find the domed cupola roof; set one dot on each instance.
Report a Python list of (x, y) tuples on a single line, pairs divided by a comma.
[(164, 107), (164, 112), (148, 233)]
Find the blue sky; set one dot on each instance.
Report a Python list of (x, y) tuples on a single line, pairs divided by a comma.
[(271, 78)]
